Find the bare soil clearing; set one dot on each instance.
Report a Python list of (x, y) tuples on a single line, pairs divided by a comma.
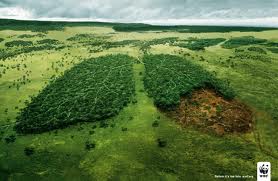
[(208, 111)]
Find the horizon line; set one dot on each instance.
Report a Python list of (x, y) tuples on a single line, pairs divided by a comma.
[(271, 22)]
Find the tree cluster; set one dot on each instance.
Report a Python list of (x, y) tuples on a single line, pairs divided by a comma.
[(242, 41), (168, 77), (17, 43), (40, 35), (93, 90), (200, 44), (139, 27)]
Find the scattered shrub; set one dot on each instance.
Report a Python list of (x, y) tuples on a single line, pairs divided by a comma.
[(89, 145), (29, 151), (155, 123), (124, 129), (134, 101), (103, 124), (10, 139), (161, 143)]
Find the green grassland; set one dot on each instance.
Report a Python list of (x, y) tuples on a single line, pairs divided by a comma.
[(128, 145)]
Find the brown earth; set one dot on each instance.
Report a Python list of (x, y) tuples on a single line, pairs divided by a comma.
[(210, 112)]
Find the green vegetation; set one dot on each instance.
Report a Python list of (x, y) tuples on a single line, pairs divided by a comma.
[(191, 43), (272, 44), (273, 50), (35, 26), (89, 145), (251, 56), (10, 139), (161, 143), (16, 43), (81, 37), (146, 45), (169, 77), (141, 142), (242, 41), (95, 43), (169, 40), (48, 41), (185, 29), (257, 49), (40, 35), (44, 26), (29, 151), (6, 54), (28, 46), (89, 39), (200, 44), (92, 90), (117, 44), (1, 39)]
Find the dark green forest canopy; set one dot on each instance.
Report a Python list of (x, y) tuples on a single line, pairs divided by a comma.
[(186, 28), (93, 90), (48, 41), (200, 44), (44, 26), (273, 50), (18, 43), (168, 77), (242, 41)]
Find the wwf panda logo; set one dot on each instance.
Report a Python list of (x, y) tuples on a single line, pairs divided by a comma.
[(264, 169)]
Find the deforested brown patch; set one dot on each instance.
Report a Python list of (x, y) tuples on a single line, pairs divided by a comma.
[(211, 112)]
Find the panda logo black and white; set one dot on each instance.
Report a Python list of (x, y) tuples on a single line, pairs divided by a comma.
[(264, 169)]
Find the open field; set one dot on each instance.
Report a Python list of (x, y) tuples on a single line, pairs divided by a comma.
[(137, 140)]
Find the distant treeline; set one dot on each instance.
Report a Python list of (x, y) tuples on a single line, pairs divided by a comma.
[(43, 26), (186, 28)]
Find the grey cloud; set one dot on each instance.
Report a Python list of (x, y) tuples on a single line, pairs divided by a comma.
[(140, 10)]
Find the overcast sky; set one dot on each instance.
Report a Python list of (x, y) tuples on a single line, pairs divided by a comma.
[(232, 12)]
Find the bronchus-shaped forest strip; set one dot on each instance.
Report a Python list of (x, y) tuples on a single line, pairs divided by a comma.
[(168, 77), (92, 90)]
